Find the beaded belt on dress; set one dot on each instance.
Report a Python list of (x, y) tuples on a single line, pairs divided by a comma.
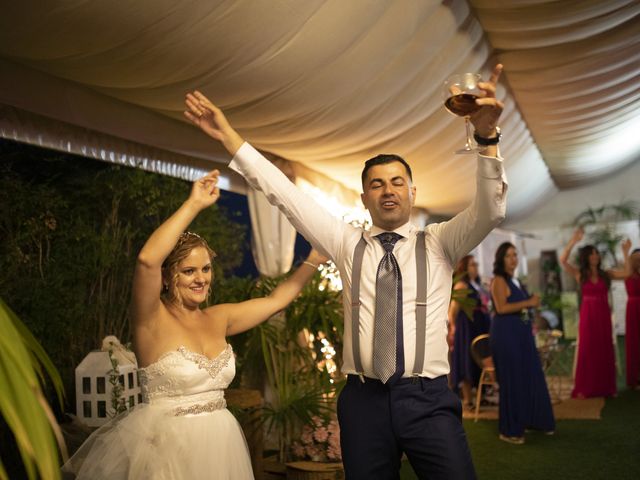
[(197, 408), (190, 404)]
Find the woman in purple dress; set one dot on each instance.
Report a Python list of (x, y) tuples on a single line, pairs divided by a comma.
[(462, 329), (595, 374), (524, 397)]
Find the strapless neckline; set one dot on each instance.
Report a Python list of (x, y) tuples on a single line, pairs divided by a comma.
[(187, 352)]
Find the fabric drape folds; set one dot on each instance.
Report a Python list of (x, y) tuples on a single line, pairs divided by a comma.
[(328, 84)]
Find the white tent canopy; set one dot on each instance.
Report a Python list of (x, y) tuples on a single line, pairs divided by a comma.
[(328, 84)]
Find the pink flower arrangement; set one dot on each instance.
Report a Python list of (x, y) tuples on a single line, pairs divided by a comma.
[(319, 441)]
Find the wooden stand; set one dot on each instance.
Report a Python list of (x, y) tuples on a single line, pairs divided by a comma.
[(314, 471)]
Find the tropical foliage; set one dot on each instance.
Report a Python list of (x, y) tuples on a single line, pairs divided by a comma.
[(461, 295), (277, 355), (23, 364)]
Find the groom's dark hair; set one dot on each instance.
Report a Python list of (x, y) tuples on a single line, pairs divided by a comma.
[(382, 159)]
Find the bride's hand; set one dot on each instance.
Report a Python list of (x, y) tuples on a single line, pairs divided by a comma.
[(316, 257), (205, 191), (210, 119)]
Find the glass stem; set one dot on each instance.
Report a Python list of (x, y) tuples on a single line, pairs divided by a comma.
[(467, 125)]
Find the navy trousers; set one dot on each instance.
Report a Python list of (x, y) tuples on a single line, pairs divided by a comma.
[(419, 417)]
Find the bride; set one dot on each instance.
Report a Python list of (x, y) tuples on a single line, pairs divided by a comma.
[(182, 430)]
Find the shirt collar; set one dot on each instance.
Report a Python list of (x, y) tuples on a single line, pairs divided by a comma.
[(404, 230)]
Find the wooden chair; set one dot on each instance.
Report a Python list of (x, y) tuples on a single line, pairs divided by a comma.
[(481, 353)]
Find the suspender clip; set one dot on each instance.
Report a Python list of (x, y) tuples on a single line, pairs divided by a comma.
[(414, 378), (361, 375)]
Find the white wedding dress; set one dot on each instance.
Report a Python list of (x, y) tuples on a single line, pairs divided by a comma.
[(181, 431)]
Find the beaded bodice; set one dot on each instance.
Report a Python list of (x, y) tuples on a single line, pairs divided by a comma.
[(182, 378)]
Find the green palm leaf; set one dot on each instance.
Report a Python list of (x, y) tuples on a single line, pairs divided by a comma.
[(22, 402), (461, 295)]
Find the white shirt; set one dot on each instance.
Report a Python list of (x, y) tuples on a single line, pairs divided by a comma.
[(445, 243)]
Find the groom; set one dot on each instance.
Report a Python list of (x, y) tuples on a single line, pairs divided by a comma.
[(397, 286)]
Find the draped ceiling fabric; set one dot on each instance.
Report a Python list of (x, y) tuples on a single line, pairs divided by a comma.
[(328, 84)]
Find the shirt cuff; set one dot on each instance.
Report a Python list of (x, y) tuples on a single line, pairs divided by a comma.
[(490, 167), (244, 155)]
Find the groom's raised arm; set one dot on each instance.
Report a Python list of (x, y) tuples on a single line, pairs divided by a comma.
[(308, 217)]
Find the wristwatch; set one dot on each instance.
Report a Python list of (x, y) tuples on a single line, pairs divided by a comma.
[(487, 141)]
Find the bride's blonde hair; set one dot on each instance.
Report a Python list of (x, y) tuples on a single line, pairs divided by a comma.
[(185, 244)]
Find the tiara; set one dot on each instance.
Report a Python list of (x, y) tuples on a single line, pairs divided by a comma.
[(187, 234), (184, 236)]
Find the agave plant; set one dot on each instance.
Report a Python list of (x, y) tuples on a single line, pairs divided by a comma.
[(23, 363)]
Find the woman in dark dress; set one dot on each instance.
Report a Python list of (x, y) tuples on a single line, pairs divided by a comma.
[(524, 397), (462, 329)]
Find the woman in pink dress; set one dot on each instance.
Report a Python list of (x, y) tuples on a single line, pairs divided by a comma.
[(595, 374), (632, 332)]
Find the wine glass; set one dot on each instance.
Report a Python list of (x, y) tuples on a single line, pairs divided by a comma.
[(460, 92)]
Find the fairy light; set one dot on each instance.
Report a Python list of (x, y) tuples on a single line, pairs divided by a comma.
[(330, 277), (328, 353)]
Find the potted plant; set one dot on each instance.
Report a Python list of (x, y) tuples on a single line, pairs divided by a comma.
[(278, 356)]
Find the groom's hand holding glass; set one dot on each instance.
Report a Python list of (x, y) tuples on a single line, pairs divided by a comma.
[(467, 96)]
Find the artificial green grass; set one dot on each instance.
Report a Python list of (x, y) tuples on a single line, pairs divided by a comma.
[(581, 449)]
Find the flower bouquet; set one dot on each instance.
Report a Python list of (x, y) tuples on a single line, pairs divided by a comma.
[(319, 442)]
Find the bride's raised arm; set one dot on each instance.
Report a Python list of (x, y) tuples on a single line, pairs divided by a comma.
[(147, 278), (246, 315)]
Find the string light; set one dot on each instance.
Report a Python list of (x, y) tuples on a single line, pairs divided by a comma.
[(327, 360)]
